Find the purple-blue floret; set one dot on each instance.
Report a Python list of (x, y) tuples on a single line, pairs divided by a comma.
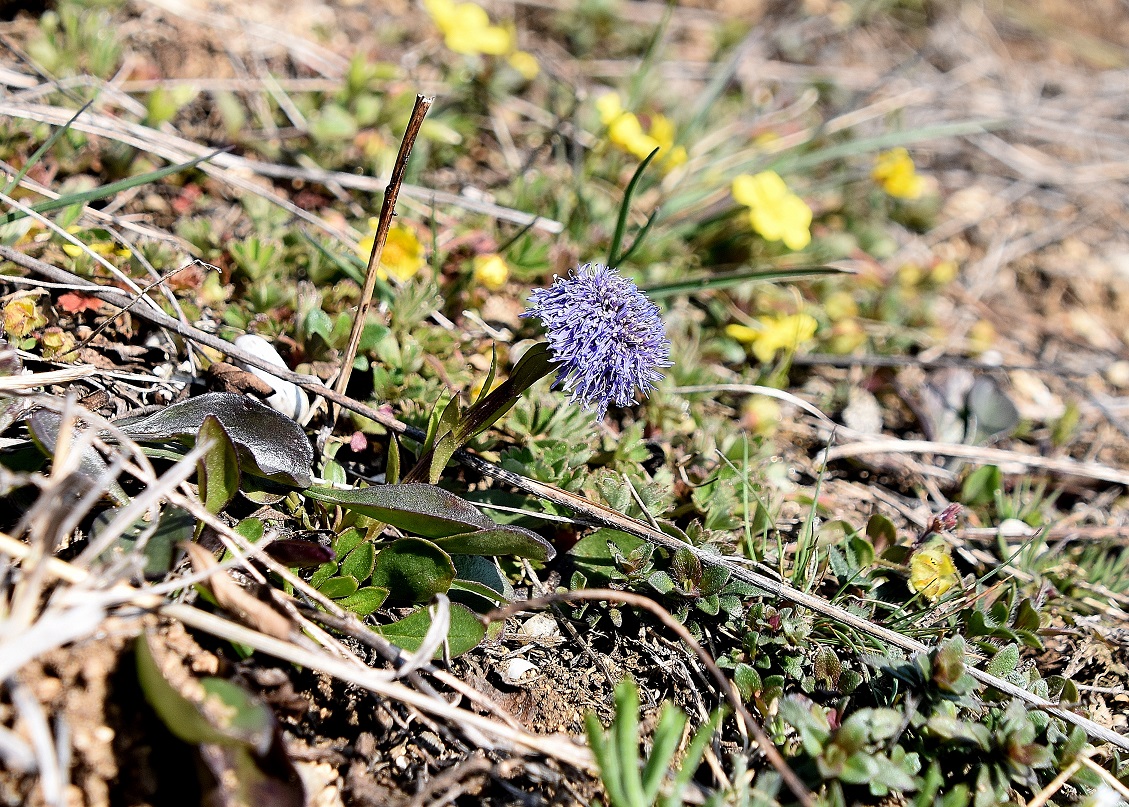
[(606, 336)]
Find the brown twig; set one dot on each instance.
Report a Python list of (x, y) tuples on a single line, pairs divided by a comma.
[(727, 689), (384, 224)]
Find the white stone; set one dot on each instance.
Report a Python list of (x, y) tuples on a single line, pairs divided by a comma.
[(289, 399)]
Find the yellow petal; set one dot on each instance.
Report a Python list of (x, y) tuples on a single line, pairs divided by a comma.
[(609, 106), (931, 571), (525, 64), (491, 271)]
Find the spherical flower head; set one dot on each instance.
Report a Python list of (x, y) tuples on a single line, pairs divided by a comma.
[(606, 337)]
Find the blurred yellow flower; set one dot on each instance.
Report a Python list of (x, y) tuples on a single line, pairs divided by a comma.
[(761, 415), (466, 28), (895, 172), (626, 131), (840, 305), (786, 332), (931, 571), (22, 316), (525, 64), (491, 271), (775, 212), (944, 273), (403, 253)]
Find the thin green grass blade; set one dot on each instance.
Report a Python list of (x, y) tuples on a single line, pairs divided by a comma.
[(646, 228), (103, 191), (791, 163), (625, 208), (730, 279), (635, 93), (52, 140)]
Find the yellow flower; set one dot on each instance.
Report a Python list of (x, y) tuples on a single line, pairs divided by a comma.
[(895, 172), (931, 571), (775, 212), (22, 316), (403, 252), (491, 271), (466, 28), (59, 345), (525, 64), (626, 131), (774, 334), (761, 415)]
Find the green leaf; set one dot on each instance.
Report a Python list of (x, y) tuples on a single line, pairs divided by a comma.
[(1004, 662), (515, 541), (747, 679), (337, 587), (174, 527), (237, 714), (881, 531), (412, 506), (625, 209), (413, 570), (347, 541), (364, 600), (179, 714), (729, 279), (226, 714), (981, 485), (268, 443), (465, 633), (360, 562), (43, 425), (219, 467)]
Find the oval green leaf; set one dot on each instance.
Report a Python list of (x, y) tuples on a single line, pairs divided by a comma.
[(337, 587), (268, 442), (465, 633), (365, 600), (359, 563), (413, 570), (499, 541), (414, 507), (218, 475)]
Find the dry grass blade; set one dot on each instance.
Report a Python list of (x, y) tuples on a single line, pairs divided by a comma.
[(230, 595), (384, 224)]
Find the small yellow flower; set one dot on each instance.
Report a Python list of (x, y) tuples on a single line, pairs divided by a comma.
[(403, 253), (525, 64), (22, 316), (466, 28), (931, 571), (981, 336), (775, 212), (491, 271), (895, 172), (944, 273), (774, 334), (840, 305), (59, 345), (761, 415), (626, 131)]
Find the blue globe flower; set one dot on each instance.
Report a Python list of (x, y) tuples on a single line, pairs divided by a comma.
[(605, 335)]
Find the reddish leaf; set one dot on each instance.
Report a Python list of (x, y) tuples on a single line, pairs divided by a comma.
[(74, 302)]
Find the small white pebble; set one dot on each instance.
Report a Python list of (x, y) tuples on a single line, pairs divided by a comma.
[(540, 626), (1118, 374), (518, 669), (288, 398)]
